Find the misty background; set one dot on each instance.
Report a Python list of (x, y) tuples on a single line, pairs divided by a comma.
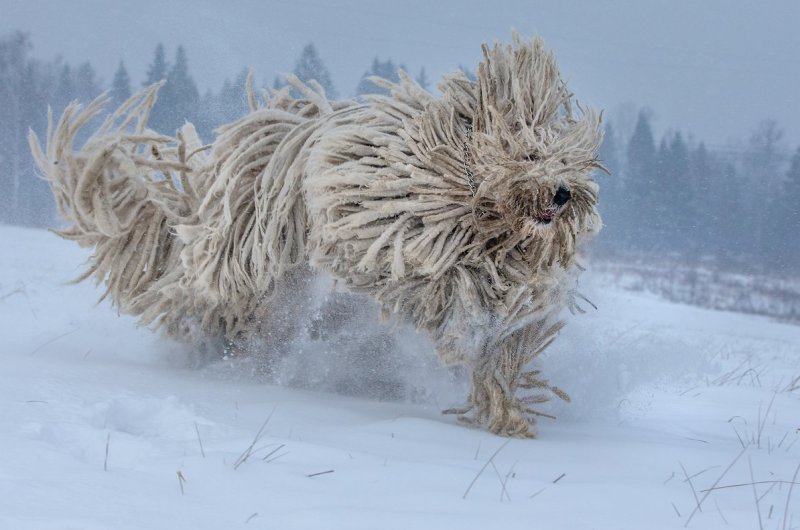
[(702, 204)]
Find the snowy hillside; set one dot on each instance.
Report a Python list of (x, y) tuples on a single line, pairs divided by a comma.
[(105, 426)]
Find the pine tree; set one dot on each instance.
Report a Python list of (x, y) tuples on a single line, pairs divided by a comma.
[(208, 117), (789, 233), (27, 87), (422, 79), (716, 206), (678, 217), (87, 87), (157, 70), (310, 66), (679, 161), (232, 99), (179, 99), (659, 201), (467, 72), (37, 206), (703, 203), (120, 86), (65, 90), (13, 57), (641, 173), (726, 182), (764, 173), (385, 69)]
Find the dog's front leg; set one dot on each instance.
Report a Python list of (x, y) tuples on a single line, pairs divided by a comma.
[(500, 379)]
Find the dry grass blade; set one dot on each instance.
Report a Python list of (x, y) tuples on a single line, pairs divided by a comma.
[(108, 443), (762, 422), (320, 473), (199, 440), (719, 511), (726, 377), (789, 497), (700, 472), (51, 341), (181, 480), (739, 436), (583, 297), (691, 485), (10, 293), (744, 484), (708, 492), (248, 452), (755, 493), (537, 493), (491, 458), (503, 492), (274, 458), (767, 492), (505, 481), (266, 456)]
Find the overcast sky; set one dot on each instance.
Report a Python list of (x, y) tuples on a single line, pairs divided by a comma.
[(713, 68)]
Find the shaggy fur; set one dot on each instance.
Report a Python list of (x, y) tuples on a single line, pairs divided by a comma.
[(444, 210)]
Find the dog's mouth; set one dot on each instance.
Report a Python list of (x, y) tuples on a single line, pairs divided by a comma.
[(546, 217)]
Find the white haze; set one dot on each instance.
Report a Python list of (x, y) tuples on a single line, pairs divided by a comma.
[(713, 68)]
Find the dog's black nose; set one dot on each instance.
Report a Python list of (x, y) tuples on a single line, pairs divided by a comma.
[(562, 196)]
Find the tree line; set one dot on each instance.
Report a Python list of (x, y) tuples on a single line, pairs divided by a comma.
[(736, 205)]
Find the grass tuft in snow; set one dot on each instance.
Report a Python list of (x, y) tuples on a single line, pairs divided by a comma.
[(488, 462), (247, 453), (708, 492)]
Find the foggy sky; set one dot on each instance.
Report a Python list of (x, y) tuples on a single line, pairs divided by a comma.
[(713, 68)]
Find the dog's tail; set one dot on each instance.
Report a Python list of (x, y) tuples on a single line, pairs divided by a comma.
[(122, 193)]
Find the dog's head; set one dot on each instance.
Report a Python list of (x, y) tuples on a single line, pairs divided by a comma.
[(528, 152)]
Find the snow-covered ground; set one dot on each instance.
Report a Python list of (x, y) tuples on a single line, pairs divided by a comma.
[(105, 426)]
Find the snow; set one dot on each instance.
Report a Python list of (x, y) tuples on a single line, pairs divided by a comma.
[(99, 420)]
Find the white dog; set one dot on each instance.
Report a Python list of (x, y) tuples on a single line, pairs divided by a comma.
[(462, 214)]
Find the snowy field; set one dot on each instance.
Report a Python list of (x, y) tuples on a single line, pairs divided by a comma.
[(681, 417)]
